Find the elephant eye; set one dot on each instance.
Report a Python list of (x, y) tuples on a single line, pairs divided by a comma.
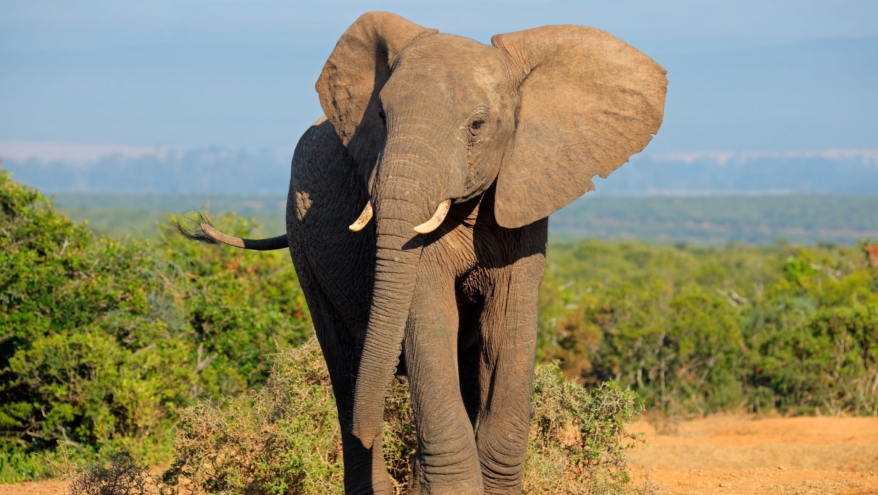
[(382, 114), (476, 126)]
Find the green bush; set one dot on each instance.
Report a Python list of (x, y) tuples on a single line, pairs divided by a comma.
[(103, 341), (284, 439), (828, 365), (578, 442), (698, 330), (670, 344)]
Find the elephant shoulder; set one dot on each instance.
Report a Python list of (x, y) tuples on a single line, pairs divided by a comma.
[(320, 149)]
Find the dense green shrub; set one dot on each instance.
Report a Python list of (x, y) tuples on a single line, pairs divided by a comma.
[(829, 364), (285, 438), (103, 341), (670, 343), (696, 330)]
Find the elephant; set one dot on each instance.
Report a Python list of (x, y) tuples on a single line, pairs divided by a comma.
[(417, 221)]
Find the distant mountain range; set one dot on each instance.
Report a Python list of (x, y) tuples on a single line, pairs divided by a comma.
[(807, 172), (213, 170), (58, 168)]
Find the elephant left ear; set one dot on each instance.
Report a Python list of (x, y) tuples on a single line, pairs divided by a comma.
[(588, 102)]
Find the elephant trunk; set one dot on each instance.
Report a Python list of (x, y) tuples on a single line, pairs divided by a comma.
[(397, 210), (412, 188)]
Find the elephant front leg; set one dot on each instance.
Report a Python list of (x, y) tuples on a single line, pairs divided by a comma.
[(365, 472), (509, 332), (447, 459)]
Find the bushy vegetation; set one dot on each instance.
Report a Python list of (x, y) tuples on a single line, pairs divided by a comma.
[(695, 330), (577, 439), (285, 438), (106, 344), (103, 342), (120, 474), (281, 439)]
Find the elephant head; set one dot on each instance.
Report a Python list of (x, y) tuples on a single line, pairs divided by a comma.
[(432, 119)]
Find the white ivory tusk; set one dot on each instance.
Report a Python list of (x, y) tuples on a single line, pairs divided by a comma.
[(437, 219), (363, 220)]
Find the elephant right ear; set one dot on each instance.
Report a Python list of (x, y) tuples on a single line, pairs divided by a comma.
[(354, 75)]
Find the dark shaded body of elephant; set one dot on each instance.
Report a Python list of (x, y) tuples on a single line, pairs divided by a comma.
[(505, 134)]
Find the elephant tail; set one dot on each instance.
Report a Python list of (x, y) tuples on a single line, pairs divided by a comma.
[(208, 234)]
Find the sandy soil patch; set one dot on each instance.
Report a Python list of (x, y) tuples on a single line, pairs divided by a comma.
[(33, 488), (745, 455)]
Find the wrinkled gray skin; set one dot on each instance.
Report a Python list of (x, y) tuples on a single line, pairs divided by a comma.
[(509, 133)]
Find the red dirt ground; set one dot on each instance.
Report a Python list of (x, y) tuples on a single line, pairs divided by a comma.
[(745, 455)]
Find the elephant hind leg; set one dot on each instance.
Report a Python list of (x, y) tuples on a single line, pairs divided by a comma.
[(365, 471)]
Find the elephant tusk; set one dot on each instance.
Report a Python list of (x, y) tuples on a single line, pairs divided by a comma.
[(363, 219), (437, 219)]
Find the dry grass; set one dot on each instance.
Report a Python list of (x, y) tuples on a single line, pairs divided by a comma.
[(122, 475), (578, 441), (281, 439), (284, 439)]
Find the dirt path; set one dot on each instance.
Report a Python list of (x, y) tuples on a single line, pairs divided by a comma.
[(731, 455), (743, 455), (35, 488)]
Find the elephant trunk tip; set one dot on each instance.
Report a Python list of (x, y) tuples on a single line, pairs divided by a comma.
[(366, 436), (368, 414)]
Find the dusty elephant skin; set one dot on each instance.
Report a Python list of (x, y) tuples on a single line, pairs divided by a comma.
[(504, 134)]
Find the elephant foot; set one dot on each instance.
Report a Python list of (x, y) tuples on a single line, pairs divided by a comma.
[(503, 491), (452, 489), (383, 487), (423, 483)]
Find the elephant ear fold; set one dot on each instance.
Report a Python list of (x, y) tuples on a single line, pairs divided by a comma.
[(353, 77), (588, 102)]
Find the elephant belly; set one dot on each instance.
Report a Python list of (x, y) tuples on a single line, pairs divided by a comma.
[(326, 195)]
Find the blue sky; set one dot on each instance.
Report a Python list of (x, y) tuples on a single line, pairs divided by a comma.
[(745, 74)]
